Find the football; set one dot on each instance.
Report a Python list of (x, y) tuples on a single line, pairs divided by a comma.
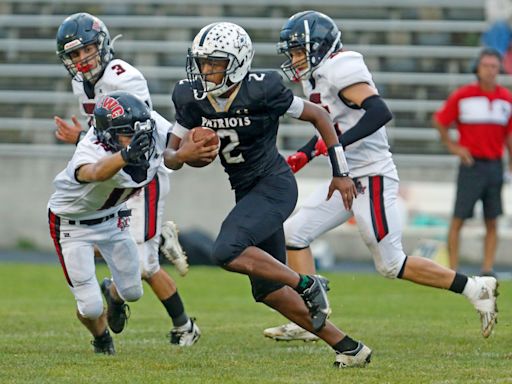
[(197, 134)]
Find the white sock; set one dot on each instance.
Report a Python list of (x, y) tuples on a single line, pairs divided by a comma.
[(471, 289)]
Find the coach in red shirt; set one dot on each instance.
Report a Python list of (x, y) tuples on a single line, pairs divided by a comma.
[(481, 111)]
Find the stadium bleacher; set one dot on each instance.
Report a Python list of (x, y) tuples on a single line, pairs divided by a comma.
[(418, 51)]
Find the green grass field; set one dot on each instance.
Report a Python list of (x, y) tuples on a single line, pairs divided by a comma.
[(418, 335)]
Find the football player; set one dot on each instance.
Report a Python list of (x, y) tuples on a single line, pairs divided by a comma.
[(243, 107), (85, 48), (340, 82), (114, 160)]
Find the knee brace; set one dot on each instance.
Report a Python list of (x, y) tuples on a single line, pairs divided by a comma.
[(90, 308), (131, 293)]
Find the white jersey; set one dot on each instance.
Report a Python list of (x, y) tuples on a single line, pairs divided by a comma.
[(118, 76), (73, 199), (371, 155)]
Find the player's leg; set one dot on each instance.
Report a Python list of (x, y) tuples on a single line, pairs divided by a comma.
[(77, 260), (290, 304), (121, 255), (185, 331), (379, 222), (315, 217), (257, 215)]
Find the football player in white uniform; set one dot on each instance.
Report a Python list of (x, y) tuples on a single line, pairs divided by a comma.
[(340, 81), (85, 49), (114, 160)]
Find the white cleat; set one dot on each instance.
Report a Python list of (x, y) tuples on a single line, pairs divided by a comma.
[(359, 357), (485, 302), (186, 335), (289, 332), (170, 247)]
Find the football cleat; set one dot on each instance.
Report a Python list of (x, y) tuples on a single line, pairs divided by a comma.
[(317, 302), (186, 335), (170, 247), (289, 332), (485, 303), (359, 357), (117, 313), (104, 344)]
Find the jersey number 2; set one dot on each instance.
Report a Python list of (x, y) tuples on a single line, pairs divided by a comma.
[(234, 142)]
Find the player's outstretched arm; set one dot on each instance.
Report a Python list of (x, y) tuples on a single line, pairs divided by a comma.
[(108, 166)]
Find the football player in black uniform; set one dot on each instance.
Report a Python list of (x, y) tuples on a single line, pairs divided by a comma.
[(244, 109)]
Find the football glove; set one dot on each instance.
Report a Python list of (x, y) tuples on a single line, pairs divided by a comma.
[(297, 161), (135, 151), (320, 148)]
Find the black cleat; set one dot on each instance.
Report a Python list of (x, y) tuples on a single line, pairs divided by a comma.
[(104, 344), (317, 302), (117, 313)]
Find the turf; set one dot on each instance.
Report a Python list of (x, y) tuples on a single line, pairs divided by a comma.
[(418, 335)]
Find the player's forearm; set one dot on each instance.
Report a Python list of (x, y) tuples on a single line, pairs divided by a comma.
[(172, 159), (103, 170), (322, 122)]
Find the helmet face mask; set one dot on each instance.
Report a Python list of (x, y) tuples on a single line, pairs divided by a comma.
[(313, 32), (216, 43), (82, 32), (121, 114)]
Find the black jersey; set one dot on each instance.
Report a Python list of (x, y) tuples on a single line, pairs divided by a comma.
[(247, 125)]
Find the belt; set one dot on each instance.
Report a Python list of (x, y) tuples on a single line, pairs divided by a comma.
[(486, 159), (100, 220)]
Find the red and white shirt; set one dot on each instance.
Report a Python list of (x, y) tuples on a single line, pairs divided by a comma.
[(483, 119)]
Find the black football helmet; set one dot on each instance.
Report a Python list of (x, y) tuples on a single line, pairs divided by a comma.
[(312, 31), (121, 113), (78, 31)]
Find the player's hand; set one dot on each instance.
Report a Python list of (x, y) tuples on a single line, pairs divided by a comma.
[(66, 132), (463, 153), (346, 187), (190, 151), (138, 147), (320, 148), (297, 161)]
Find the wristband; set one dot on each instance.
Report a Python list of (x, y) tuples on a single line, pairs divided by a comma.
[(338, 161)]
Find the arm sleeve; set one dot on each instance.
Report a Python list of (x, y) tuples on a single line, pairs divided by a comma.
[(376, 115), (296, 107)]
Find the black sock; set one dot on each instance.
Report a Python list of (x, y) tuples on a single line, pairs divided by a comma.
[(346, 344), (103, 336), (459, 283), (175, 309), (304, 283)]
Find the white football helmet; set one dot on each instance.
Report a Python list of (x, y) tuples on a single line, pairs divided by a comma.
[(220, 41)]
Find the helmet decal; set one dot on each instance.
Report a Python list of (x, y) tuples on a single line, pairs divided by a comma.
[(113, 106)]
